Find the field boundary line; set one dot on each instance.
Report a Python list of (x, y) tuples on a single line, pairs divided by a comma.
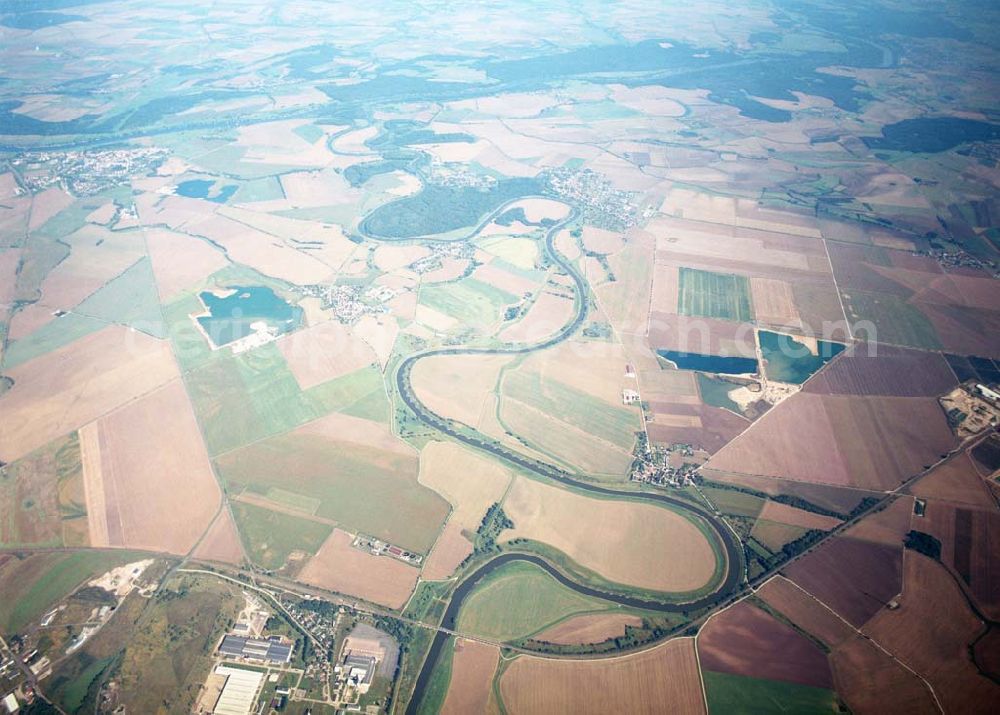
[(859, 632)]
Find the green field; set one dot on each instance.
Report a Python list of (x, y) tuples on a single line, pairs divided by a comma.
[(270, 537), (51, 336), (614, 424), (267, 188), (774, 535), (715, 392), (518, 600), (714, 295), (32, 585), (788, 360), (730, 501), (895, 320), (471, 302), (742, 695), (129, 299), (41, 497), (363, 487), (247, 397)]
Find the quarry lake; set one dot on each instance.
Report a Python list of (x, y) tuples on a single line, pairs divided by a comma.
[(232, 315)]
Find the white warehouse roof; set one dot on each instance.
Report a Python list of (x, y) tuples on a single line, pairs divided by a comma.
[(240, 691)]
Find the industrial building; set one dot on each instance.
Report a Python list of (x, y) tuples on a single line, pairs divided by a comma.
[(273, 650), (239, 694)]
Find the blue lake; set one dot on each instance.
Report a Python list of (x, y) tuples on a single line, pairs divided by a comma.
[(201, 188), (710, 363), (230, 318)]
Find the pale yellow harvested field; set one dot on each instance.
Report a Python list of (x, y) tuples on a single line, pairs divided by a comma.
[(785, 514), (669, 386), (504, 280), (451, 268), (8, 185), (625, 542), (659, 680), (379, 333), (516, 228), (354, 142), (406, 184), (774, 302), (510, 105), (600, 240), (566, 245), (545, 316), (324, 352), (325, 242), (180, 261), (221, 542), (448, 552), (391, 257), (462, 152), (472, 670), (96, 256), (469, 481), (650, 101), (665, 288), (54, 108), (46, 205), (434, 319), (175, 212), (102, 215), (153, 466), (277, 143), (404, 306), (29, 319), (595, 368), (261, 251), (456, 386), (518, 251), (69, 387), (706, 246), (626, 301), (584, 450), (340, 567), (14, 220), (589, 628), (357, 430), (305, 189), (535, 210), (889, 241), (93, 486)]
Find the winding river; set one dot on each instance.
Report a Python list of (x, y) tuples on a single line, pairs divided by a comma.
[(730, 545)]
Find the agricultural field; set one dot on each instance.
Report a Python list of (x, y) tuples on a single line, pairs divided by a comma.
[(43, 501), (142, 465), (518, 600), (637, 683), (747, 641), (581, 527), (344, 470), (472, 671), (892, 438), (727, 693), (339, 306), (471, 484), (338, 566), (714, 295), (275, 540)]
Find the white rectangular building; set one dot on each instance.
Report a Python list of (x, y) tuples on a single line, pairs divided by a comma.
[(239, 694)]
